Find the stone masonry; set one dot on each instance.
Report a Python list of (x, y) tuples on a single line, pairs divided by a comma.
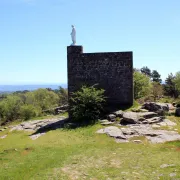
[(112, 71)]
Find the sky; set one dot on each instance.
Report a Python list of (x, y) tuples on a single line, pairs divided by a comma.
[(34, 35)]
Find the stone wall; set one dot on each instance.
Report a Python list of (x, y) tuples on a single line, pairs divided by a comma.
[(111, 71)]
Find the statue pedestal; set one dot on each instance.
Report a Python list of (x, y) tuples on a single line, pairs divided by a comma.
[(74, 50)]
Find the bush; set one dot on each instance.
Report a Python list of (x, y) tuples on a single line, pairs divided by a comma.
[(28, 111), (142, 85), (10, 108), (87, 105)]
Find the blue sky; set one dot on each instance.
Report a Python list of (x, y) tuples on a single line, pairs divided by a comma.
[(34, 35)]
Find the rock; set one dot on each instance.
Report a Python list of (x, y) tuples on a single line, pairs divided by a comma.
[(107, 123), (137, 141), (171, 107), (172, 174), (35, 136), (169, 123), (161, 136), (130, 118), (118, 113), (115, 132), (3, 137), (144, 110), (128, 131), (153, 120), (135, 110), (167, 165), (40, 124), (111, 117), (104, 120), (138, 130), (148, 115), (100, 131), (177, 112), (137, 118), (2, 130), (155, 126), (156, 107)]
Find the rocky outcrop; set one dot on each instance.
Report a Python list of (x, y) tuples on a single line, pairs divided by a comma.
[(40, 127), (153, 136), (159, 108), (118, 113), (140, 118), (39, 124), (138, 124), (111, 117)]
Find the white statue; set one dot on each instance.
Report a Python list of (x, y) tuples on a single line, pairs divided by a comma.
[(73, 36)]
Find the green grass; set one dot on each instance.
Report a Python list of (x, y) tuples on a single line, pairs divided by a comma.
[(83, 154)]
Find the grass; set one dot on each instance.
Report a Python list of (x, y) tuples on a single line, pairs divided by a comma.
[(83, 154)]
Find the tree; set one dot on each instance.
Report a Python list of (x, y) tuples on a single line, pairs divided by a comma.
[(87, 105), (10, 108), (170, 87), (177, 81), (63, 96), (156, 77), (142, 85), (145, 70), (157, 90)]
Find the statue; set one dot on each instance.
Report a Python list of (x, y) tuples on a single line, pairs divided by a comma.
[(73, 36)]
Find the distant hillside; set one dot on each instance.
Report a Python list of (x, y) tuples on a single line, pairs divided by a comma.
[(13, 88)]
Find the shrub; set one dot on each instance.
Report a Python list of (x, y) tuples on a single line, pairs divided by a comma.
[(28, 111), (142, 85), (10, 108), (87, 105)]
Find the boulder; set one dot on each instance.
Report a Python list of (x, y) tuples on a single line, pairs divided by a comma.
[(130, 118), (160, 108), (107, 123), (137, 118), (111, 117), (154, 120), (147, 115), (177, 112), (171, 107), (112, 131), (118, 113)]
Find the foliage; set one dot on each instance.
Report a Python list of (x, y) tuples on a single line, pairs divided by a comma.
[(29, 111), (63, 96), (87, 105), (170, 86), (157, 90), (177, 81), (156, 77), (145, 70), (142, 85), (10, 107), (25, 105)]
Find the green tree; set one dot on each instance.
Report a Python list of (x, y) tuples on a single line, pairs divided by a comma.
[(142, 85), (157, 90), (63, 96), (170, 86), (10, 108), (145, 70), (87, 105), (177, 81), (29, 111), (156, 77)]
